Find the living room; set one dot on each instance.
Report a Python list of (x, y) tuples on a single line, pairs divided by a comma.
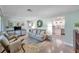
[(38, 28)]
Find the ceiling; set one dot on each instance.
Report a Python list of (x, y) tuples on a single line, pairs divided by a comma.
[(37, 10)]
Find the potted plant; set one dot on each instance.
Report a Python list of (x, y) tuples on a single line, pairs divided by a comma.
[(77, 25)]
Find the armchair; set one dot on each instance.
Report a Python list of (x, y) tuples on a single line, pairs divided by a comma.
[(11, 47)]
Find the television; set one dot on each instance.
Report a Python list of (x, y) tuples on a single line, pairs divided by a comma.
[(17, 28)]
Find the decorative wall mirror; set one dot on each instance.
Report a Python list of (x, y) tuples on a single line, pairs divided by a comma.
[(39, 23)]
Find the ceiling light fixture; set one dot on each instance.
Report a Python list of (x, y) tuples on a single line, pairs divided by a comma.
[(29, 10)]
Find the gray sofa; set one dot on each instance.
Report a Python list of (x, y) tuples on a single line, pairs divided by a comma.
[(37, 34)]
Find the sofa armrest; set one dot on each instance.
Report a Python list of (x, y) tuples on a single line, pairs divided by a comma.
[(12, 37), (12, 40)]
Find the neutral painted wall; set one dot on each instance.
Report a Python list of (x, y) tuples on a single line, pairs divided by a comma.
[(2, 20), (71, 19)]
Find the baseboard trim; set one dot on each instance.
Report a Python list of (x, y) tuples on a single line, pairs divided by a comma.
[(68, 44)]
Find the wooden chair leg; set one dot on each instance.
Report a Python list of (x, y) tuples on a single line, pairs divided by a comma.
[(23, 48)]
